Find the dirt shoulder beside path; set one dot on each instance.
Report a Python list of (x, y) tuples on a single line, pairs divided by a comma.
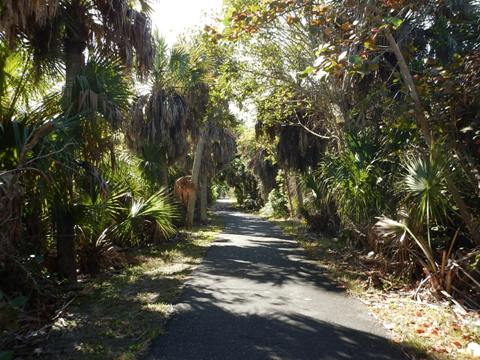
[(430, 329)]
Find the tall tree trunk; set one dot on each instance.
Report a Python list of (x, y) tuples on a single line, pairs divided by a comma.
[(64, 221), (74, 62), (289, 193), (197, 163), (66, 243), (298, 198), (467, 216), (203, 197)]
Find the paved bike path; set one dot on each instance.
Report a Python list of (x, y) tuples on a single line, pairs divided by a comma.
[(257, 296)]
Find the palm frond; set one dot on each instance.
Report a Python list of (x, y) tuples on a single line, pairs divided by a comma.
[(101, 88), (390, 228), (424, 186), (158, 210)]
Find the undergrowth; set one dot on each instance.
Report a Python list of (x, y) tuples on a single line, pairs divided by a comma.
[(118, 317)]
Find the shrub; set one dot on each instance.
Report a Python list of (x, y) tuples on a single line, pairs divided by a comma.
[(276, 205)]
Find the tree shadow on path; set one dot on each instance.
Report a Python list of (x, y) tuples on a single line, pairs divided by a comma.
[(228, 335), (257, 296)]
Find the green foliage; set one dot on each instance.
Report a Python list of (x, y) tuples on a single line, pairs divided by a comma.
[(102, 88), (244, 184), (152, 218), (277, 204), (351, 180), (424, 186)]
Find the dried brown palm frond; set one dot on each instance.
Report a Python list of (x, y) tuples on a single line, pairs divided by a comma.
[(160, 119), (127, 30), (221, 146), (197, 98), (220, 149), (21, 14), (112, 26), (265, 171), (298, 149)]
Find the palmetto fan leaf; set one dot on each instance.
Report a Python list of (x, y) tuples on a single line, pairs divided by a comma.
[(424, 184), (393, 229), (101, 88), (158, 209)]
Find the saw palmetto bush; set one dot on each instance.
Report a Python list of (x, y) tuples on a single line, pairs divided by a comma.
[(424, 186), (146, 220), (426, 204), (123, 218), (100, 210), (351, 180), (441, 271), (319, 212)]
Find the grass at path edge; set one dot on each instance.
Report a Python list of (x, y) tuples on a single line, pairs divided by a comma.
[(118, 317)]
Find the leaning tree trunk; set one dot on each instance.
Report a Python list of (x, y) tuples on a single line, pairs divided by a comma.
[(197, 163), (203, 196), (467, 216)]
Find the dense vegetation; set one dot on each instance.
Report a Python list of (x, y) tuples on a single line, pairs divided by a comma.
[(367, 126), (98, 119)]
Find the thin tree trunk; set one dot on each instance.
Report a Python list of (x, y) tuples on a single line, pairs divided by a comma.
[(289, 193), (64, 222), (162, 161), (467, 216), (66, 244), (407, 77), (298, 195), (197, 163), (203, 197)]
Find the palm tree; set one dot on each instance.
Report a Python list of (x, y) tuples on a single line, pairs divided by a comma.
[(61, 32), (163, 119)]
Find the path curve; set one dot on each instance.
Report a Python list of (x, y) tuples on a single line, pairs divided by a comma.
[(256, 296)]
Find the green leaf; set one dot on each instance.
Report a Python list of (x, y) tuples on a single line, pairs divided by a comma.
[(369, 45), (331, 66), (306, 72), (394, 21)]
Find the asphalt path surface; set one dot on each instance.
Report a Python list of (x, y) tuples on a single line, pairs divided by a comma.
[(257, 296)]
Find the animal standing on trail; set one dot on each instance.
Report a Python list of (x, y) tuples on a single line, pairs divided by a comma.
[(183, 187)]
